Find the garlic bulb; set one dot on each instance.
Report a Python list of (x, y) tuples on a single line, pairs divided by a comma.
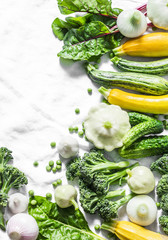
[(18, 203), (22, 226)]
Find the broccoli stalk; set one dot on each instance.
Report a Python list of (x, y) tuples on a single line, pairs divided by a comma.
[(160, 165), (101, 182), (11, 178), (163, 221), (90, 201), (109, 209), (162, 186)]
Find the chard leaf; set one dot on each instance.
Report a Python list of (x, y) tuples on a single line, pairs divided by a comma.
[(92, 39), (60, 28), (60, 223), (102, 7)]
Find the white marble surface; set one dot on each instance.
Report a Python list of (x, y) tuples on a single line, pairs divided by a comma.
[(38, 92)]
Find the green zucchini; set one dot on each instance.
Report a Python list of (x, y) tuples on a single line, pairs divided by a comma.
[(136, 118), (146, 147), (144, 128), (145, 83), (159, 67)]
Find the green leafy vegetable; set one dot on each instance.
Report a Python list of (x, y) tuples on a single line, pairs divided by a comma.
[(160, 165), (59, 223)]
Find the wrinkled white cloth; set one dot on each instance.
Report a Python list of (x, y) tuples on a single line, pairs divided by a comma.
[(39, 92)]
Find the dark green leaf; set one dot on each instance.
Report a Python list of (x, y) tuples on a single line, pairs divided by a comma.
[(58, 223), (60, 28), (102, 7)]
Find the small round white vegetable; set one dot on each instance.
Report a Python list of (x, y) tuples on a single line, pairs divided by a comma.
[(68, 147), (22, 226), (141, 180), (142, 210), (131, 23), (18, 203), (65, 196), (157, 11)]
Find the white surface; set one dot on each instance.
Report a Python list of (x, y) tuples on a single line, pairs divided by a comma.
[(38, 91)]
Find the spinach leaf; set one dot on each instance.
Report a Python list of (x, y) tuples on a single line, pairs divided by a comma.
[(58, 223), (102, 7)]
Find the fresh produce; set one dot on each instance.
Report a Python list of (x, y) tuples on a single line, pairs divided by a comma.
[(22, 226), (68, 147), (131, 23), (109, 209), (99, 181), (56, 223), (159, 67), (157, 11), (139, 82), (5, 157), (136, 102), (18, 203), (89, 36), (163, 203), (125, 230), (90, 201), (163, 221), (146, 147), (141, 180), (102, 129), (160, 165), (65, 196), (162, 186), (136, 118), (11, 177), (152, 126), (142, 210), (149, 45)]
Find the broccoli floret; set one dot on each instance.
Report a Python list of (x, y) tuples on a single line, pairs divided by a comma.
[(101, 182), (109, 209), (163, 204), (95, 162), (73, 169), (5, 157), (162, 186), (11, 178), (163, 221), (160, 165), (90, 201)]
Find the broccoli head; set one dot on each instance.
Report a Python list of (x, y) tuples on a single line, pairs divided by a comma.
[(163, 221), (160, 165), (5, 157), (162, 186), (90, 201), (163, 204), (11, 178), (73, 169), (109, 209)]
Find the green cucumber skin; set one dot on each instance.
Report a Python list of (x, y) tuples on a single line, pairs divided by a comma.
[(145, 83), (159, 67), (141, 129), (136, 118), (146, 147)]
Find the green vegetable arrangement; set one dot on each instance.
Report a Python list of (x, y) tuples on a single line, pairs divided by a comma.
[(89, 36), (10, 177), (59, 223)]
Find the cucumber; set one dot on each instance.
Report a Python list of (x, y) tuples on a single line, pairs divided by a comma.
[(136, 118), (159, 67), (145, 83), (147, 127), (146, 147)]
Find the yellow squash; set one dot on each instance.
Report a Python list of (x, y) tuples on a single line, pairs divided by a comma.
[(136, 102), (149, 45), (125, 230)]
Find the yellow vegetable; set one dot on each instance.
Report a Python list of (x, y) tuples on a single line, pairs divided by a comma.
[(136, 102), (125, 230), (149, 45)]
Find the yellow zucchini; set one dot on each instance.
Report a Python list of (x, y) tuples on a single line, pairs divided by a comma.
[(131, 231), (149, 45), (136, 102)]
